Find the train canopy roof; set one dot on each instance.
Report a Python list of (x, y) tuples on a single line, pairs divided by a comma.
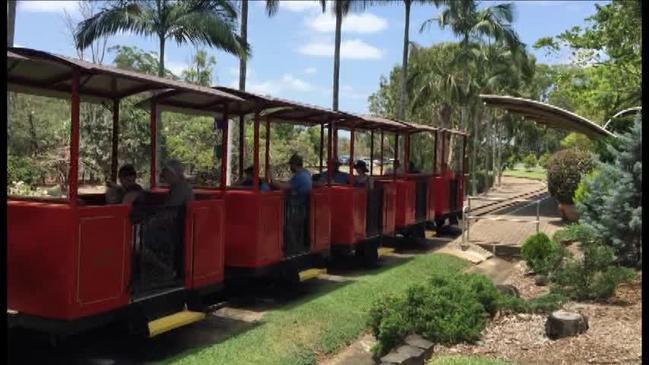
[(40, 73), (547, 114)]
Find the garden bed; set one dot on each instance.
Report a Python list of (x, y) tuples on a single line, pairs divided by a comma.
[(614, 336)]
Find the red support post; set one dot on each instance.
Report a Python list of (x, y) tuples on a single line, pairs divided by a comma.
[(351, 156), (224, 149), (335, 147), (321, 145), (242, 131), (371, 152), (406, 154), (396, 155), (267, 157), (329, 151), (153, 128), (381, 154), (73, 173), (114, 157), (255, 156), (435, 153)]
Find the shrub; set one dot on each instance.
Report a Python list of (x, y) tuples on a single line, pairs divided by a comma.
[(530, 162), (543, 304), (565, 169), (574, 232), (610, 200), (592, 277), (537, 250), (446, 309), (23, 169), (544, 159)]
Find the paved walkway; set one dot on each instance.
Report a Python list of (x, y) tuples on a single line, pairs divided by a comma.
[(506, 233)]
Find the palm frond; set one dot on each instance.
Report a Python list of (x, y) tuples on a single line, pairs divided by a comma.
[(124, 16), (272, 6)]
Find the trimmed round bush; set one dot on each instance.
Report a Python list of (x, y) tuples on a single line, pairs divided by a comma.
[(537, 250), (565, 169), (530, 162)]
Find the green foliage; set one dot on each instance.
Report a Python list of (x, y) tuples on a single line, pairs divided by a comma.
[(466, 360), (543, 304), (24, 169), (540, 253), (574, 233), (591, 278), (577, 141), (610, 200), (446, 309), (200, 71), (530, 162), (565, 169), (544, 159), (612, 43), (137, 59)]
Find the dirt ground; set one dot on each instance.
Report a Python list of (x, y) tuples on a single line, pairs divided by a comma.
[(614, 335)]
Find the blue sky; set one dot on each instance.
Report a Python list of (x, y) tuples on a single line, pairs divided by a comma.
[(293, 51)]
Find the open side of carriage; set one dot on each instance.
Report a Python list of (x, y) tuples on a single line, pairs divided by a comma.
[(76, 262), (363, 214)]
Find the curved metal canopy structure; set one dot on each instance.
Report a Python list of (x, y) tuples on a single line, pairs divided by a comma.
[(547, 114)]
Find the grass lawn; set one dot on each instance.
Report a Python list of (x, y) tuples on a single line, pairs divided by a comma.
[(320, 323), (466, 360), (537, 173)]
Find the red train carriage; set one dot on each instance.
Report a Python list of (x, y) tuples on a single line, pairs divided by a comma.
[(75, 262), (363, 215), (448, 184)]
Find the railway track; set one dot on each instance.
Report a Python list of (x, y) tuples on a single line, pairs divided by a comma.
[(509, 203)]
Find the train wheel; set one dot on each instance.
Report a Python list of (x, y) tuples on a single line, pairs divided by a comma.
[(453, 220)]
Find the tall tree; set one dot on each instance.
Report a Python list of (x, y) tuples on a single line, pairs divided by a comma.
[(200, 70), (244, 37), (11, 21), (473, 26), (196, 21)]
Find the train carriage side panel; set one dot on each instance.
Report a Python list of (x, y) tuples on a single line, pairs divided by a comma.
[(204, 243), (320, 219)]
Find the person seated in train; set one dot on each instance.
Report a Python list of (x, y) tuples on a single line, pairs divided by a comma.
[(180, 191), (300, 183), (396, 165), (412, 168), (337, 176), (361, 179), (247, 180), (128, 191)]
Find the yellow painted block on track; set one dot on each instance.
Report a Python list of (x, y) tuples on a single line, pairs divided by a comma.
[(168, 323), (385, 251), (311, 274)]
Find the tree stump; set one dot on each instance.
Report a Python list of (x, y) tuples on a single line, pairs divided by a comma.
[(541, 280), (563, 324)]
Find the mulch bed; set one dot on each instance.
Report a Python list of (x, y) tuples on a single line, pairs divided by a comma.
[(614, 336)]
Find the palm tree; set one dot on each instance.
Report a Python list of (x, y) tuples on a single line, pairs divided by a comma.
[(473, 25), (340, 8), (11, 21), (196, 21), (244, 37)]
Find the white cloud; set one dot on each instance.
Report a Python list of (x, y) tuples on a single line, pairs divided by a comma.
[(176, 67), (286, 83), (310, 70), (48, 6), (352, 49), (299, 6), (352, 23)]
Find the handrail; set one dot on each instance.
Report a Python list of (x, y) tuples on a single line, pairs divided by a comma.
[(467, 217)]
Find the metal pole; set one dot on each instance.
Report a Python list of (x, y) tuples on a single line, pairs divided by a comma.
[(242, 131), (381, 155), (321, 146), (538, 215)]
